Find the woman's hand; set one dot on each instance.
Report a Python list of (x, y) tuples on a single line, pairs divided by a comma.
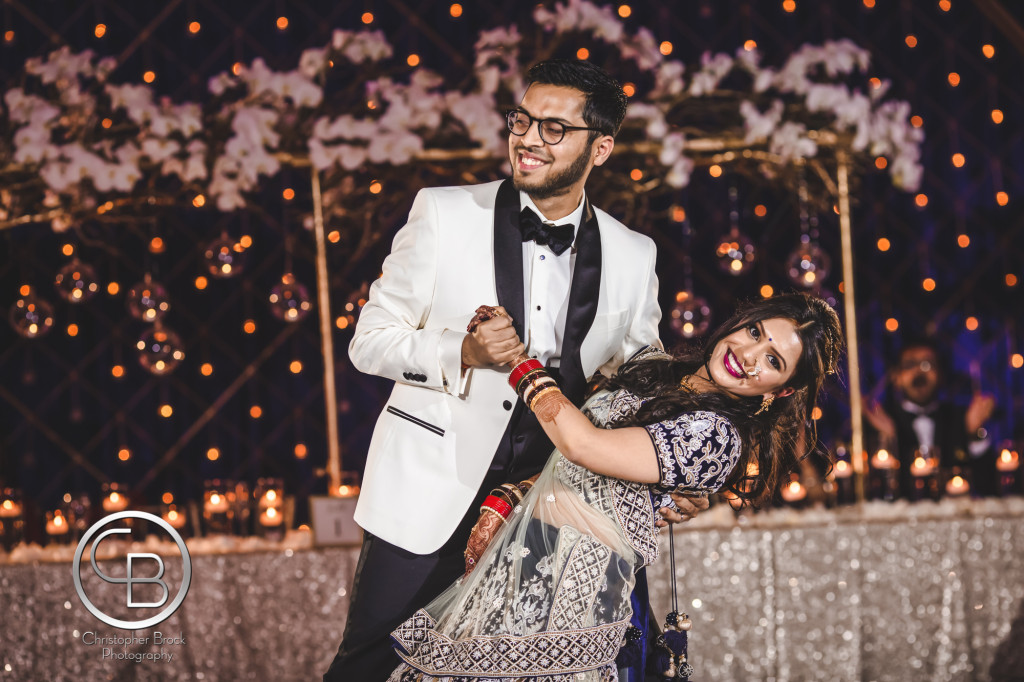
[(688, 507), (483, 532)]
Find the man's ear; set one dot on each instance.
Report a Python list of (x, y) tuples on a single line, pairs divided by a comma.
[(603, 149)]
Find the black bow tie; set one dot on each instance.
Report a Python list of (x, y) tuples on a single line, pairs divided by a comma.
[(557, 237)]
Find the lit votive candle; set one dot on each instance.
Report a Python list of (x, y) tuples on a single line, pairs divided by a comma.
[(115, 502), (883, 460), (957, 486), (922, 467), (10, 509), (271, 517), (56, 524), (1008, 460), (793, 492), (216, 504), (175, 518), (346, 490), (842, 469)]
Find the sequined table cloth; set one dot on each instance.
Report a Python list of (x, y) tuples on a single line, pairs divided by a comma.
[(879, 592)]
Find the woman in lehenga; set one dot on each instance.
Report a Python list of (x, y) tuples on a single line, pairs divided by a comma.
[(549, 598)]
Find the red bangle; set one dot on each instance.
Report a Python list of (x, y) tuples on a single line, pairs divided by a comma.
[(495, 504), (520, 370)]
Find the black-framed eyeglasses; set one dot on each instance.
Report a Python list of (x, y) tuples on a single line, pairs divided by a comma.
[(551, 131)]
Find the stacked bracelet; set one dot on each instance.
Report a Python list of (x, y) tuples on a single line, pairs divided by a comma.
[(531, 381)]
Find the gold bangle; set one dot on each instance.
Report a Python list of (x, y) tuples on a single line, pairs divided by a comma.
[(542, 392)]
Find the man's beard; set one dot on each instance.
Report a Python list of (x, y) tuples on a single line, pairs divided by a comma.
[(558, 184)]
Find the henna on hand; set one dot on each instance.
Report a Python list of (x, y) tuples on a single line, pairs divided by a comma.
[(549, 405), (480, 537)]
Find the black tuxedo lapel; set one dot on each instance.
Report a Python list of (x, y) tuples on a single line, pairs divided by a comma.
[(508, 254), (583, 295)]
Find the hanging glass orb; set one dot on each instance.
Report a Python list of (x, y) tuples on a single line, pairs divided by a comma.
[(808, 265), (147, 300), (690, 316), (735, 254), (76, 282), (31, 316), (160, 350), (289, 300), (224, 257)]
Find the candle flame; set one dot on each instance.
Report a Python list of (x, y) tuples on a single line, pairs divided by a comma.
[(58, 520), (172, 515), (794, 486), (919, 462), (114, 497), (8, 504), (215, 498), (271, 495), (271, 513), (957, 482), (1005, 456), (882, 455)]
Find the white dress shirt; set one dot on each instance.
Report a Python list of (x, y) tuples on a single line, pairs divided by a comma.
[(546, 280)]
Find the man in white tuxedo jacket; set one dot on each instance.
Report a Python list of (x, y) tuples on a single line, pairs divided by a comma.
[(452, 428)]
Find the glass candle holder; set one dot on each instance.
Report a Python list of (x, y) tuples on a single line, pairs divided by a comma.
[(115, 498), (885, 475), (349, 486), (58, 529), (77, 508), (177, 517), (1007, 469), (270, 508), (12, 518), (958, 483), (794, 493), (240, 500), (218, 512), (924, 476)]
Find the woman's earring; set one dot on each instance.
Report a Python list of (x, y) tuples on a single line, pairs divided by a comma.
[(766, 402)]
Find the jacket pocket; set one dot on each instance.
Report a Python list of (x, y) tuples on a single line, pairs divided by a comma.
[(416, 420)]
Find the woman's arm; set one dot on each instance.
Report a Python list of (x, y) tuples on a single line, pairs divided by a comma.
[(625, 453)]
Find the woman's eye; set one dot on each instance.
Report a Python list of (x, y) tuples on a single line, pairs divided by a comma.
[(754, 332), (774, 361)]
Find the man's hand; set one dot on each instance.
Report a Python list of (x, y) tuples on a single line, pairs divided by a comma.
[(879, 419), (978, 412), (494, 342), (688, 506)]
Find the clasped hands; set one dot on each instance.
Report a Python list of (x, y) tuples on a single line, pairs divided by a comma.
[(492, 341)]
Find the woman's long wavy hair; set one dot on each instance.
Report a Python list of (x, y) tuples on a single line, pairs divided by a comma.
[(770, 439)]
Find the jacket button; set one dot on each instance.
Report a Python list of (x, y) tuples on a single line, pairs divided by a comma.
[(507, 404)]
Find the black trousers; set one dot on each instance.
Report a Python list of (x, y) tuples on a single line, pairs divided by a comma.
[(391, 583)]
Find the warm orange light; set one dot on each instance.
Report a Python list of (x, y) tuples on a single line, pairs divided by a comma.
[(816, 413), (255, 411), (367, 17), (300, 450), (117, 371), (413, 60), (666, 48), (953, 78), (282, 23), (928, 284), (749, 45), (25, 290), (1002, 198), (881, 162), (625, 11), (201, 282), (333, 236), (206, 369), (166, 410), (67, 249), (678, 214), (1011, 279), (788, 5), (916, 121), (295, 366), (911, 40), (715, 171), (167, 498), (72, 329), (199, 201), (997, 116), (892, 324), (455, 10), (341, 322), (99, 31), (156, 245), (760, 210), (636, 174), (629, 89), (1017, 361), (106, 123), (767, 291), (236, 68), (124, 454), (249, 327), (193, 27), (959, 160), (213, 454), (376, 187), (988, 50), (582, 53), (149, 76), (944, 5), (971, 323), (869, 3), (921, 200), (875, 82), (288, 194), (963, 241)]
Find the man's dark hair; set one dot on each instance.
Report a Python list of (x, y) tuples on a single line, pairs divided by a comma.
[(605, 105)]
